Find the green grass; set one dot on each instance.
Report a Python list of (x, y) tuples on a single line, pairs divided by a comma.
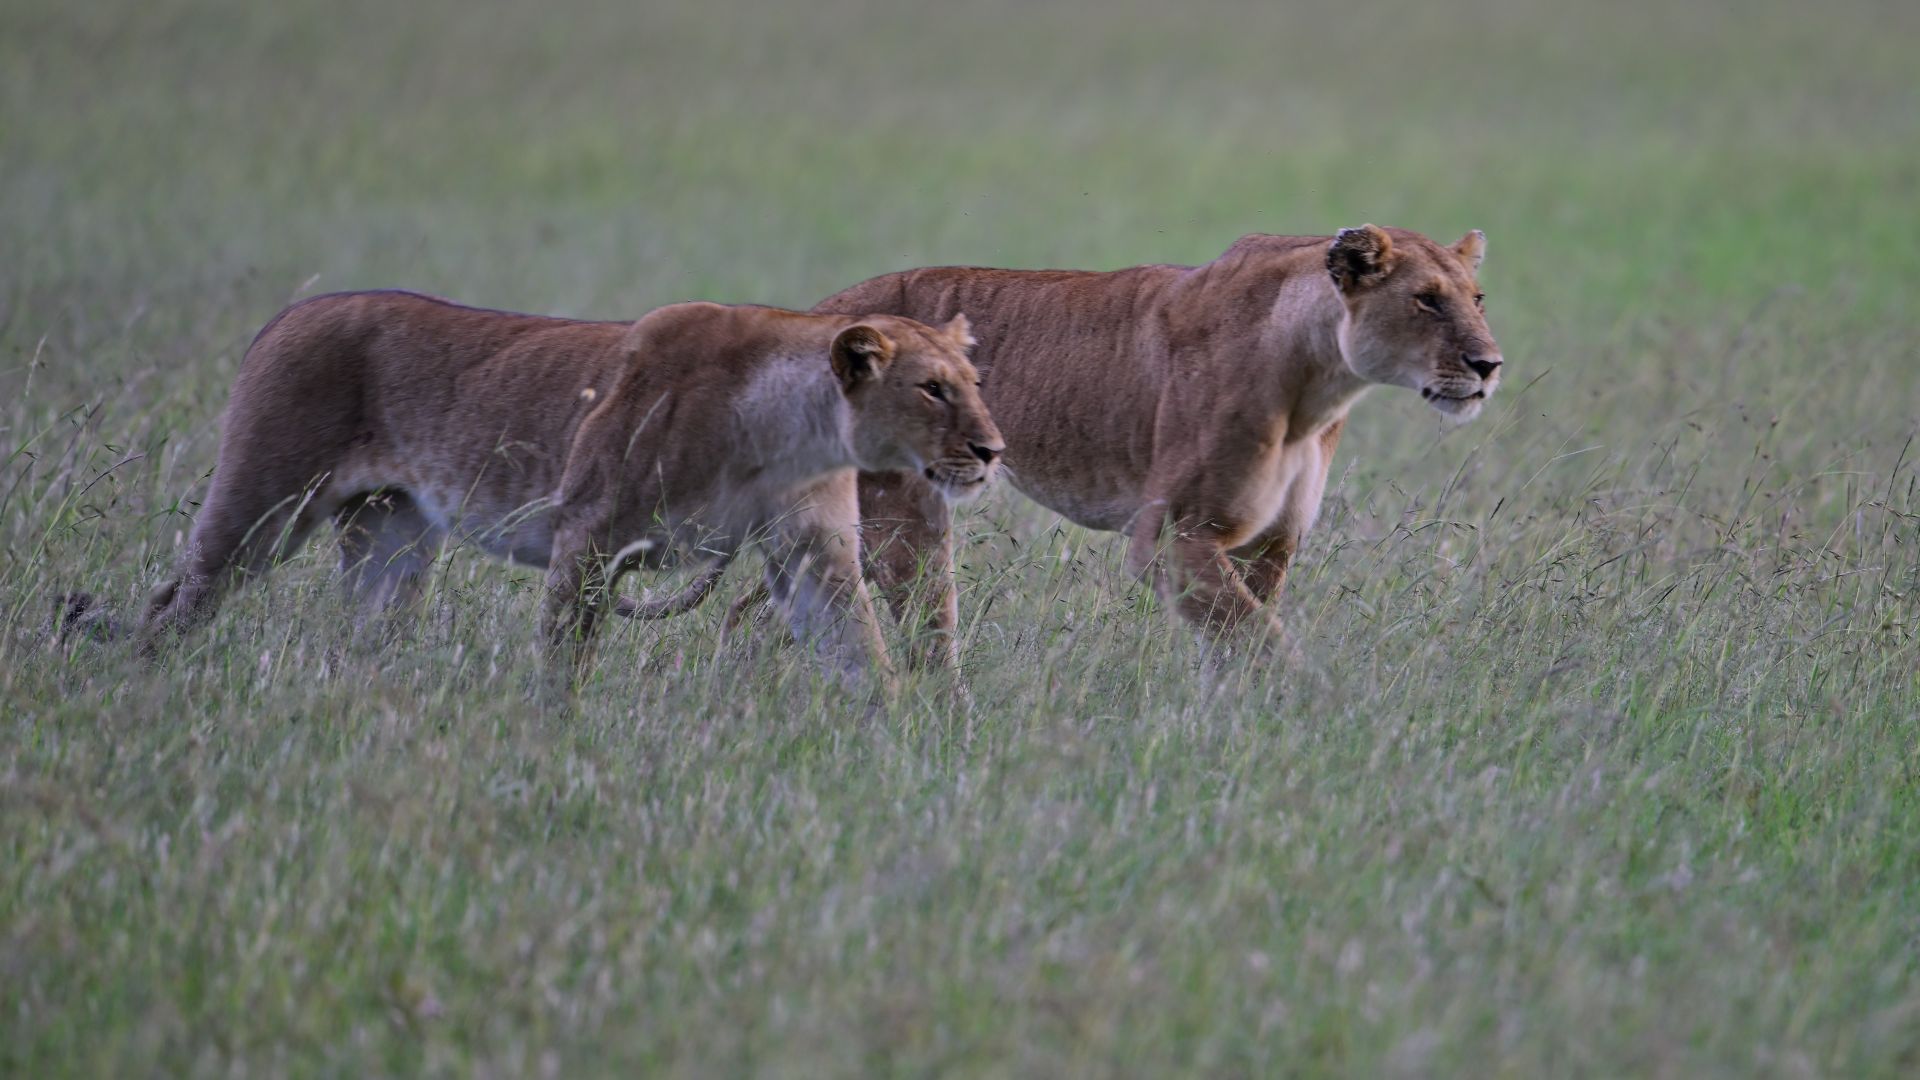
[(1605, 762)]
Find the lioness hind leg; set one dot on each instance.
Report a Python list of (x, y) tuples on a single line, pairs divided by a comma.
[(238, 535), (581, 578), (387, 545)]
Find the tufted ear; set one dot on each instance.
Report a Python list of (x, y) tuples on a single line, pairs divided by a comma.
[(1472, 248), (959, 331), (1358, 258), (859, 354)]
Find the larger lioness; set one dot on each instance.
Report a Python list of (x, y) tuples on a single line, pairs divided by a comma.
[(584, 447), (1194, 408)]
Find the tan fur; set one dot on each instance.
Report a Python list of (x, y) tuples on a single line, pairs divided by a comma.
[(1194, 408), (584, 447)]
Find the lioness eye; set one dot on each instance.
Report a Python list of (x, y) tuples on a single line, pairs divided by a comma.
[(1480, 301), (1428, 302), (935, 391)]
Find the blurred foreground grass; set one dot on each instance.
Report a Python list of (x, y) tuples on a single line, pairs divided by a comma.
[(1610, 765)]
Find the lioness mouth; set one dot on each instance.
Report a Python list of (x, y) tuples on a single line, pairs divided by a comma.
[(947, 479), (1431, 394)]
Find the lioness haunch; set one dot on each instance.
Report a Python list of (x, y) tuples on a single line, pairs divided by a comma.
[(585, 447), (1194, 408)]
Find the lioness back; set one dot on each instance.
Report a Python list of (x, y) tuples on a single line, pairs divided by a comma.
[(469, 410)]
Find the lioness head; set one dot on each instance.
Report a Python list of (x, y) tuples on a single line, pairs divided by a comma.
[(916, 402), (1414, 315)]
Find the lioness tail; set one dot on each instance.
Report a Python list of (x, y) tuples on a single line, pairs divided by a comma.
[(680, 602)]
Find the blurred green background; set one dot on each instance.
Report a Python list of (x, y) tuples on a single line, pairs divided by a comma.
[(1604, 763)]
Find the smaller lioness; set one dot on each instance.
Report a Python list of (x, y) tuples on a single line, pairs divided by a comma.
[(585, 447)]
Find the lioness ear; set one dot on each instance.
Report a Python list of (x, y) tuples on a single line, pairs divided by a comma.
[(859, 353), (1359, 257), (1472, 248), (959, 331)]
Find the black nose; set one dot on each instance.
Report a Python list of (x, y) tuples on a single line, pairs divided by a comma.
[(986, 454), (1482, 366)]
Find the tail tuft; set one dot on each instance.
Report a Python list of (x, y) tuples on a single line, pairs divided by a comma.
[(79, 614)]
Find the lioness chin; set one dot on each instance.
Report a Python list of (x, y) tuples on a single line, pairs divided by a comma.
[(584, 447), (1194, 408)]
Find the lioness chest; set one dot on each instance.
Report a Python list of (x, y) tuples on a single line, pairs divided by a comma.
[(1278, 493)]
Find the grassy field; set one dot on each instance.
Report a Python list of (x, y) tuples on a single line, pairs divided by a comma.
[(1604, 761)]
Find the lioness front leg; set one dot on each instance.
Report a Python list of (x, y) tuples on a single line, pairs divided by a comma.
[(1265, 560), (1265, 563), (906, 532), (1192, 574), (814, 576)]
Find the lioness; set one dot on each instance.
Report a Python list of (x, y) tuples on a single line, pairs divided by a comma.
[(1205, 398), (585, 447)]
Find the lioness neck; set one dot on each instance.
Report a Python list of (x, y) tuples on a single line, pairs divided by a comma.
[(1301, 339), (793, 423)]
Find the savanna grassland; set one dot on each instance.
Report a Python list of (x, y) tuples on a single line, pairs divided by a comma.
[(1603, 760)]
